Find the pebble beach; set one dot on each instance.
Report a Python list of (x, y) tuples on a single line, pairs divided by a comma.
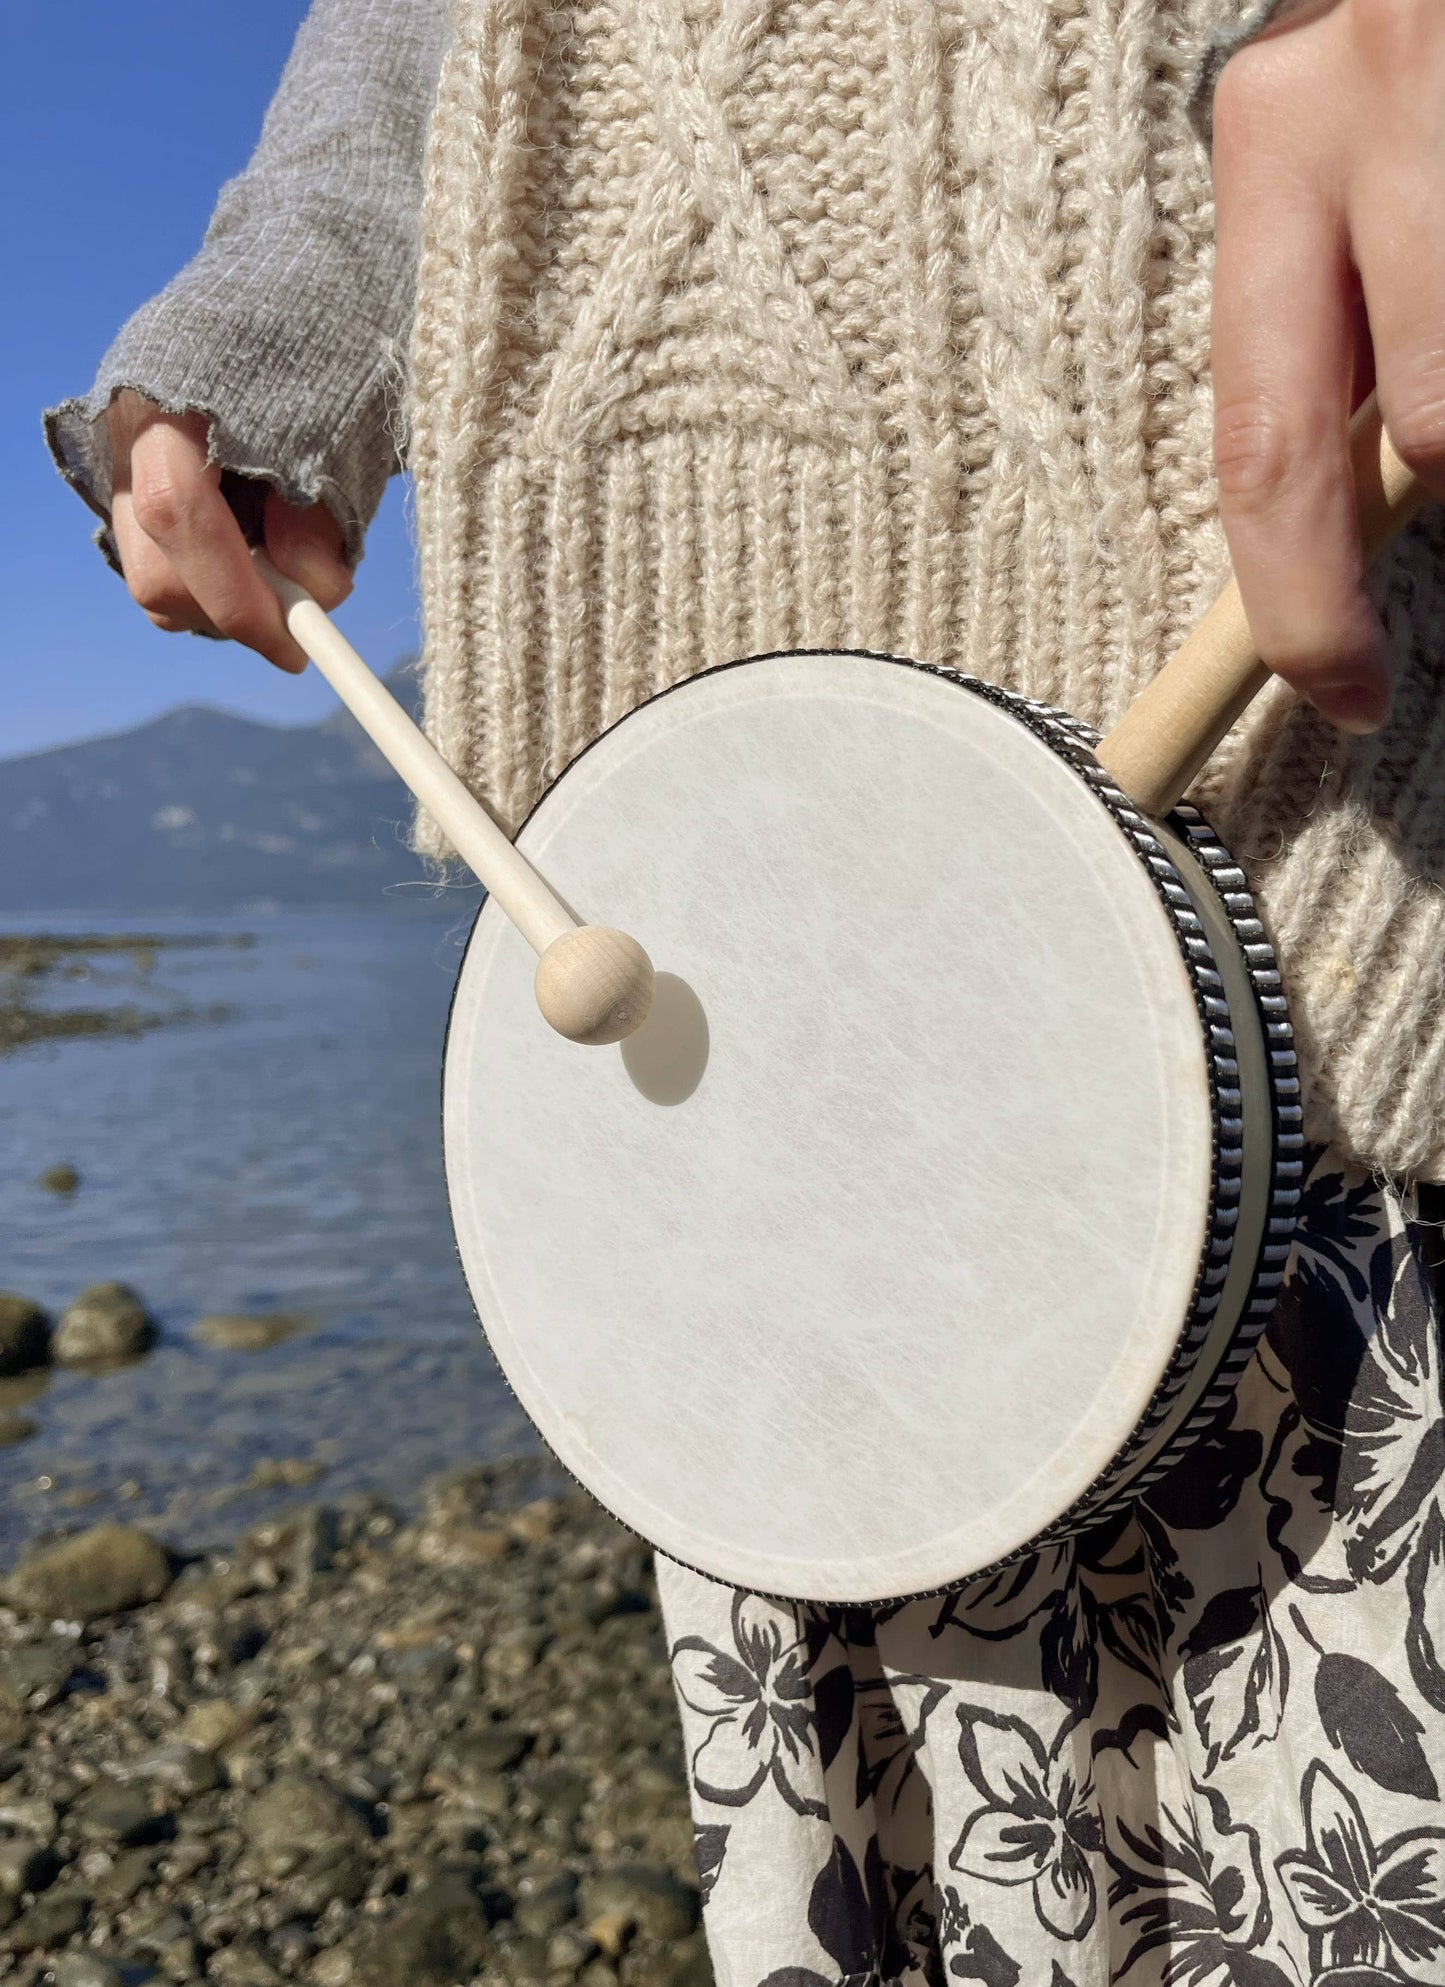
[(359, 1748)]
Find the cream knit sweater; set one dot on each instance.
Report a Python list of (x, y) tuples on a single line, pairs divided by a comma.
[(759, 324)]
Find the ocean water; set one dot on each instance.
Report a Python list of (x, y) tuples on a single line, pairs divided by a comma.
[(278, 1150)]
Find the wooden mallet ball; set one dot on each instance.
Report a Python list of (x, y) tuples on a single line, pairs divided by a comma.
[(595, 984)]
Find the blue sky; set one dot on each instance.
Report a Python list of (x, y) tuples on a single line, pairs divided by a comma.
[(117, 126)]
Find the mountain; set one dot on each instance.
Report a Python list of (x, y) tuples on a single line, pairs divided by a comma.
[(203, 811)]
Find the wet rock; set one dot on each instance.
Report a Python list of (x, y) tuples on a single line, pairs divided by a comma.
[(298, 1817), (50, 1921), (107, 1322), (458, 1544), (336, 1875), (130, 1872), (242, 1966), (183, 1770), (525, 1961), (104, 1571), (285, 1473), (513, 1653), (236, 1331), (214, 1724), (545, 1906), (111, 1812), (24, 1334), (61, 1179), (33, 1817), (82, 1969), (488, 1749), (650, 1898), (439, 1939), (25, 1865), (34, 1675)]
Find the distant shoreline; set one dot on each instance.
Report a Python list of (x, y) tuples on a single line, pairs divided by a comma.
[(30, 960)]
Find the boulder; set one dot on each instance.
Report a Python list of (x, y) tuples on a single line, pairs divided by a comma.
[(24, 1334), (104, 1571), (106, 1322)]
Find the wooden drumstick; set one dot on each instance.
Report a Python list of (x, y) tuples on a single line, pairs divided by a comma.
[(593, 984), (1173, 725)]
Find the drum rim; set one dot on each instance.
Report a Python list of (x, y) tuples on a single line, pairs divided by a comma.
[(1075, 742)]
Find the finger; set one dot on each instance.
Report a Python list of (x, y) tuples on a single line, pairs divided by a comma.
[(176, 501), (153, 581), (154, 585), (1284, 366), (1399, 242), (308, 545)]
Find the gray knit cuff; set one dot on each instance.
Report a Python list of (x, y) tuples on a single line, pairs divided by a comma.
[(1264, 14), (273, 408)]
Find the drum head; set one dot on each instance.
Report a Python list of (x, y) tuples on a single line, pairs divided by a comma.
[(855, 1268)]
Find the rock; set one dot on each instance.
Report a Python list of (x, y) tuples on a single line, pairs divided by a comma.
[(237, 1331), (183, 1769), (339, 1874), (545, 1907), (112, 1813), (559, 1793), (106, 1322), (61, 1179), (49, 1922), (24, 1334), (214, 1724), (436, 1940), (568, 1951), (610, 1931), (33, 1817), (461, 1545), (651, 1899), (104, 1571), (25, 1865), (284, 1473), (242, 1966), (85, 1970), (132, 1871), (686, 1965), (488, 1749), (34, 1675), (297, 1817), (16, 1428), (510, 1655)]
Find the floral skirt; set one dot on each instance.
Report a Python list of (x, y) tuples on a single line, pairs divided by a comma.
[(1199, 1747)]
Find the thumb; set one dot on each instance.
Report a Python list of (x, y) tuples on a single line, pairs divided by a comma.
[(308, 545)]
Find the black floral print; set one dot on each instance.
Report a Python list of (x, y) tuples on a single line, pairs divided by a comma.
[(1381, 1908), (1202, 1745), (757, 1699), (1037, 1824)]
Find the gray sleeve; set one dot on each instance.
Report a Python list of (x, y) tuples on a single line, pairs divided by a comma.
[(289, 327), (1256, 18)]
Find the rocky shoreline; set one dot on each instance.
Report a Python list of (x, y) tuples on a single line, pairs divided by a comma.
[(29, 962), (355, 1750)]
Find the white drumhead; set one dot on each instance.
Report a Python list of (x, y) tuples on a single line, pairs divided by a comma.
[(854, 1286)]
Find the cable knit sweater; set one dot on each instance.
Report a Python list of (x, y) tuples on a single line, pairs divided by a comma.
[(750, 324)]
